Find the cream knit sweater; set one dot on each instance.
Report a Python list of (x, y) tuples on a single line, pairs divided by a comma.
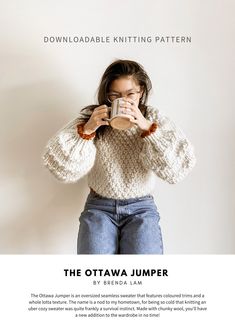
[(121, 164)]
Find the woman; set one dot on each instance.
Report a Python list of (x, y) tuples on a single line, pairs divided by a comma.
[(120, 216)]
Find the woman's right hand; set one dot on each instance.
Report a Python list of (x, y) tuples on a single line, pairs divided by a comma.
[(96, 119)]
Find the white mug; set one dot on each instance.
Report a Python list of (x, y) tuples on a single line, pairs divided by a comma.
[(118, 119)]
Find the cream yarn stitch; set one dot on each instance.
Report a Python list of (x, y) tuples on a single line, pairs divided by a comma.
[(121, 164)]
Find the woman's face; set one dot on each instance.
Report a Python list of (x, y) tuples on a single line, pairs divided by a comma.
[(125, 87)]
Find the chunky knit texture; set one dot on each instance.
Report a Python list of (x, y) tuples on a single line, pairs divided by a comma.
[(121, 164)]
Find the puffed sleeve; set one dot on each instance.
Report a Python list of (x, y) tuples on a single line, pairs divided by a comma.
[(167, 151), (68, 156)]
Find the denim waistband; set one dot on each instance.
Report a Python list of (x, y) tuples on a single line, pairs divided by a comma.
[(97, 196)]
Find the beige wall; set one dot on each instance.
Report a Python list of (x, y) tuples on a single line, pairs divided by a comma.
[(43, 86)]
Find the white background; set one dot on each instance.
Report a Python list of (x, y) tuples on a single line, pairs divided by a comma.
[(186, 274), (44, 86)]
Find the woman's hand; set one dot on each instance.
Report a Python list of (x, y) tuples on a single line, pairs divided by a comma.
[(96, 119), (131, 108)]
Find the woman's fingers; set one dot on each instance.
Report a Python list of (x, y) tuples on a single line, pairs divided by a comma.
[(101, 115), (99, 122), (97, 118), (101, 112), (100, 108)]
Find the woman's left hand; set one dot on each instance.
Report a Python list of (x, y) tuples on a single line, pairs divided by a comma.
[(131, 108)]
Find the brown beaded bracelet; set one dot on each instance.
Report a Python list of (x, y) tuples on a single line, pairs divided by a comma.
[(151, 129), (80, 129)]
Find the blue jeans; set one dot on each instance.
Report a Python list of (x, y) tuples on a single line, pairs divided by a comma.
[(129, 226)]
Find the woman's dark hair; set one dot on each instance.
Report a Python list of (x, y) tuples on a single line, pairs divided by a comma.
[(116, 70)]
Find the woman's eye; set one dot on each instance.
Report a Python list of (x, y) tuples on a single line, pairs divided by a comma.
[(113, 96), (131, 95)]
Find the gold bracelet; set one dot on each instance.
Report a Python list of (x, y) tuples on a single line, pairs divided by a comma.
[(80, 129), (151, 129)]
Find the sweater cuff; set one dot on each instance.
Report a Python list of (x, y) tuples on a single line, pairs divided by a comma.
[(80, 129), (151, 130)]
